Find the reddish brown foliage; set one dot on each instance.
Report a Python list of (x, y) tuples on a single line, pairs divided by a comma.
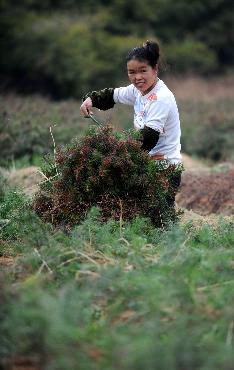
[(113, 174)]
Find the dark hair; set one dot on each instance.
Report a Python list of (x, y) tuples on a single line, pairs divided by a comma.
[(148, 52)]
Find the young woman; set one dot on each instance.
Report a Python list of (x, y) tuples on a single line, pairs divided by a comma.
[(155, 108)]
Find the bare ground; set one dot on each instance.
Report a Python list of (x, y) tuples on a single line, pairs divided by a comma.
[(26, 178), (207, 190), (207, 193)]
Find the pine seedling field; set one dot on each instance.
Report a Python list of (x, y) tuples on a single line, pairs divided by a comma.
[(94, 290)]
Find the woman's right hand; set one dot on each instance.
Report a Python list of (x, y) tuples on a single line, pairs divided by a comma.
[(85, 107)]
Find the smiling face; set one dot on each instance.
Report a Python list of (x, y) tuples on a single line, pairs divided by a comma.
[(142, 75)]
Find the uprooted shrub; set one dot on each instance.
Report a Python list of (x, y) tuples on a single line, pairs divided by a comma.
[(109, 171)]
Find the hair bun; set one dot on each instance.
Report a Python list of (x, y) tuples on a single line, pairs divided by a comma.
[(152, 47), (147, 43), (148, 52)]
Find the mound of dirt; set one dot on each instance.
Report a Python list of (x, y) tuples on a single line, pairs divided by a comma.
[(191, 163), (25, 178), (207, 193), (6, 261)]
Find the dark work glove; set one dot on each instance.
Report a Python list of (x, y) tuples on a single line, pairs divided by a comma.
[(102, 99)]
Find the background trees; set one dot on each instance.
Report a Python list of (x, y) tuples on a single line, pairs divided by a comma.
[(68, 47)]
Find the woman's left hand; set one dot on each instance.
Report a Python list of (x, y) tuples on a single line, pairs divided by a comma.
[(85, 107)]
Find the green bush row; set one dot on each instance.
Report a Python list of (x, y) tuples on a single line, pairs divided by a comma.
[(27, 125), (207, 127)]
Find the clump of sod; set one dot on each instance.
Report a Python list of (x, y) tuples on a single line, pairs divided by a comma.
[(109, 171)]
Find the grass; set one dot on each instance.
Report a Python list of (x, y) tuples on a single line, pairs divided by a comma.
[(115, 295)]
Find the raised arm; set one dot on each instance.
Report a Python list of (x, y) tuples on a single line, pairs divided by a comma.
[(102, 99)]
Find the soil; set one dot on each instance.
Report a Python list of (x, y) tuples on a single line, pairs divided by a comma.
[(6, 260), (207, 190), (20, 363), (191, 163), (26, 178)]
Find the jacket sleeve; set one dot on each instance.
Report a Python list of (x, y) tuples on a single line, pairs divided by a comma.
[(103, 99), (149, 138)]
